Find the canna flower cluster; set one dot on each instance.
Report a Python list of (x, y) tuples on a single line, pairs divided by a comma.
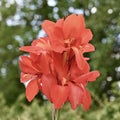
[(56, 65)]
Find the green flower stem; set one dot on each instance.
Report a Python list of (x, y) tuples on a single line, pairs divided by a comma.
[(55, 114), (58, 114)]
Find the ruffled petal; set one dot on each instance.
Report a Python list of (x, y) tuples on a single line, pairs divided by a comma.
[(39, 46), (86, 36), (81, 62), (42, 43), (75, 95), (32, 90), (73, 25), (88, 48), (74, 70), (59, 23), (86, 101), (26, 65), (48, 26), (26, 77), (43, 63), (59, 95), (48, 81), (60, 67), (57, 40), (33, 49), (90, 76), (55, 34)]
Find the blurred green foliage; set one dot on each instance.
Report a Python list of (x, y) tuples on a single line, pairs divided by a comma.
[(20, 23)]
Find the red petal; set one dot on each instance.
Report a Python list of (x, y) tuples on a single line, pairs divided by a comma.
[(57, 40), (42, 43), (90, 76), (44, 63), (55, 33), (81, 62), (59, 23), (75, 95), (26, 66), (38, 46), (33, 49), (35, 58), (32, 90), (74, 70), (48, 26), (86, 99), (60, 68), (26, 60), (59, 95), (47, 82), (86, 36), (26, 77), (73, 25), (88, 48)]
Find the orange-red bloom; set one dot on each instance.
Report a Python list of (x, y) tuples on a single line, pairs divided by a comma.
[(70, 35), (67, 83), (56, 65), (32, 68)]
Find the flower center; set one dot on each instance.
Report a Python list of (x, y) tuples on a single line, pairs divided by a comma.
[(68, 42)]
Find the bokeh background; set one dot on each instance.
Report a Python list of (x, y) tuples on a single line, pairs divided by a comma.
[(20, 23)]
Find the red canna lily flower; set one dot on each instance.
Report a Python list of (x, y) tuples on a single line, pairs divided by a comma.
[(56, 65), (32, 68), (70, 35), (66, 85)]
